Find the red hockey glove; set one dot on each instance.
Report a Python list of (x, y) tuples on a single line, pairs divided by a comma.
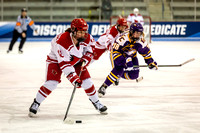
[(87, 58), (74, 79), (153, 66)]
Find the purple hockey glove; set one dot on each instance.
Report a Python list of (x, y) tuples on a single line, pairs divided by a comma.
[(129, 63), (153, 66)]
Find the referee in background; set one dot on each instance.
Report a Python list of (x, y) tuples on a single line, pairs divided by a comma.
[(20, 30)]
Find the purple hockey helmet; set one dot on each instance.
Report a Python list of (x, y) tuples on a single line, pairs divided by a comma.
[(136, 27)]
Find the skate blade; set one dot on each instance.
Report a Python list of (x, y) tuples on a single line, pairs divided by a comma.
[(30, 114), (69, 121), (104, 113), (72, 121), (100, 95), (139, 79)]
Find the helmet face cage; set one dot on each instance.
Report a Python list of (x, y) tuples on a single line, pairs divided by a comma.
[(79, 24), (136, 27)]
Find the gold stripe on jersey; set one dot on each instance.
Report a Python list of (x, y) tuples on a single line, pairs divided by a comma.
[(113, 75), (110, 79), (146, 54), (134, 55), (135, 52), (116, 56), (147, 57), (111, 58), (116, 52), (126, 76), (129, 37)]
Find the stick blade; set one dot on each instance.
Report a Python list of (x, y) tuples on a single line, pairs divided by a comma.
[(190, 60), (69, 121), (139, 79)]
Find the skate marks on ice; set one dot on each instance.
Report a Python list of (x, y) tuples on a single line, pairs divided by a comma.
[(164, 101)]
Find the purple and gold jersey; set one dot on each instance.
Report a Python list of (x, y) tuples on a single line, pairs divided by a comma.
[(124, 46)]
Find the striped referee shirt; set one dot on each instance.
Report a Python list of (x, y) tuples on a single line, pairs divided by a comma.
[(22, 23)]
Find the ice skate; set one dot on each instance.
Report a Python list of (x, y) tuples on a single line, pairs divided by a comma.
[(116, 83), (102, 91), (20, 51), (100, 107), (34, 108), (8, 51)]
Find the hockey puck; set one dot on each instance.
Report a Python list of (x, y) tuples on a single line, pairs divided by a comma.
[(78, 121)]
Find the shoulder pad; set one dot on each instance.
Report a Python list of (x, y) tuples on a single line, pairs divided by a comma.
[(87, 40), (114, 31), (142, 42), (64, 40), (122, 39)]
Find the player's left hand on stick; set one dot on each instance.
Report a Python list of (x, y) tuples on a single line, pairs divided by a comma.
[(129, 64), (87, 59), (153, 66)]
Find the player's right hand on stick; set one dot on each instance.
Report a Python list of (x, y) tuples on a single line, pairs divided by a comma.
[(78, 83), (74, 79), (153, 66)]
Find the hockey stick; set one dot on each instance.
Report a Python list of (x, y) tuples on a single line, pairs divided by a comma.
[(72, 96), (178, 65)]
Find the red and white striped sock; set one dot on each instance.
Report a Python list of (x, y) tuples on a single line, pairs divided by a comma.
[(45, 90), (91, 92)]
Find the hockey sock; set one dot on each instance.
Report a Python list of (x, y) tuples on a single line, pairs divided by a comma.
[(113, 76), (91, 92), (131, 75), (42, 94), (45, 90)]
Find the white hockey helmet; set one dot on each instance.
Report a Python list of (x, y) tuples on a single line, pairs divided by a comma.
[(136, 11)]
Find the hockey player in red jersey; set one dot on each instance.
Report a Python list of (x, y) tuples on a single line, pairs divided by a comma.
[(106, 40), (135, 17), (68, 51)]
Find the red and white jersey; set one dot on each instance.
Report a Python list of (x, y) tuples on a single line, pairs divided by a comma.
[(135, 18), (66, 54), (106, 40)]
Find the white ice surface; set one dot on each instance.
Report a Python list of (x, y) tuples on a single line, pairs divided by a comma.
[(166, 101)]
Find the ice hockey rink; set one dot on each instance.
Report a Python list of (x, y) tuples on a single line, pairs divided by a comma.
[(165, 101)]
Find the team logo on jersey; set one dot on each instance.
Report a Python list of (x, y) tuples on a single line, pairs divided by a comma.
[(60, 54), (54, 72)]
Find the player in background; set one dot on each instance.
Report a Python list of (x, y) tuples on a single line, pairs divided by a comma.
[(105, 41), (135, 17), (20, 30), (68, 51), (124, 57)]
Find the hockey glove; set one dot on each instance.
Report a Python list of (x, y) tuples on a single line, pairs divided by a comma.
[(129, 64), (74, 79), (87, 59), (153, 66)]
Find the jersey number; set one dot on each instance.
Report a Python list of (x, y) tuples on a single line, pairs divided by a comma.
[(116, 46)]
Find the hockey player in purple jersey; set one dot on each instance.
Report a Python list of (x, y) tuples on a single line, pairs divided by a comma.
[(124, 57)]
